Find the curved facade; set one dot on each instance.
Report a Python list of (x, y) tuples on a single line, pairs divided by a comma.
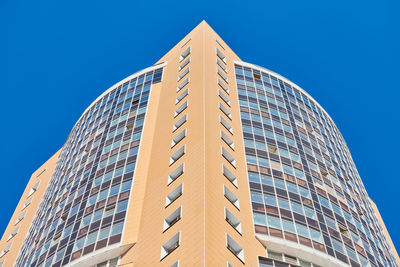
[(199, 160), (304, 185), (84, 208)]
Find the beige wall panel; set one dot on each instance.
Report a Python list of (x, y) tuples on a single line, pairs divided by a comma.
[(150, 236), (203, 226)]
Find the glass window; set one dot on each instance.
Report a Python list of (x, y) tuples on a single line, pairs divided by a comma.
[(91, 238), (259, 219), (288, 226), (126, 186), (104, 233), (97, 215), (114, 190), (316, 235), (270, 200), (122, 206), (67, 231), (274, 222), (302, 230), (117, 228), (79, 243)]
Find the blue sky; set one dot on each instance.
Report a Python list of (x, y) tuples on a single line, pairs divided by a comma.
[(56, 57)]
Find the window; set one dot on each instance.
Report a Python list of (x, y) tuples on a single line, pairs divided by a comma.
[(256, 76), (221, 56), (290, 259), (117, 228), (79, 244), (178, 138), (275, 255), (177, 192), (223, 76), (134, 102), (233, 221), (179, 123), (5, 250), (226, 124), (184, 63), (225, 111), (129, 126), (221, 65), (220, 44), (231, 197), (272, 149), (343, 230), (104, 233), (175, 174), (224, 97), (20, 218), (234, 248), (13, 233), (57, 236), (170, 246), (223, 86), (182, 96), (185, 54), (182, 84), (228, 174), (181, 109), (27, 203), (228, 157), (40, 173), (91, 238), (177, 155), (188, 40), (87, 149), (172, 218), (183, 73), (227, 140)]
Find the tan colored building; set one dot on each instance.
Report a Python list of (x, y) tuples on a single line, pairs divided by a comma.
[(199, 160)]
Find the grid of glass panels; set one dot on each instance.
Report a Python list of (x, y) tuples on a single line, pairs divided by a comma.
[(304, 185), (85, 204), (283, 260)]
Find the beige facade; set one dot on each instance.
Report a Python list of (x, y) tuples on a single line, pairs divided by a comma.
[(190, 202), (203, 227)]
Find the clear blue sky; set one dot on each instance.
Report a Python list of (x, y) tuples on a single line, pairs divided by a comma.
[(56, 57)]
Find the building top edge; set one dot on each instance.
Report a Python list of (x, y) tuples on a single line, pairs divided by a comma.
[(287, 81), (138, 73)]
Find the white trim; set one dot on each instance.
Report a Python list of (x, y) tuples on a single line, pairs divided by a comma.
[(139, 147), (98, 256), (161, 65), (300, 251), (204, 145)]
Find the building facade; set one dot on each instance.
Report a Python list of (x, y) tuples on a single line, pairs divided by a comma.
[(199, 160)]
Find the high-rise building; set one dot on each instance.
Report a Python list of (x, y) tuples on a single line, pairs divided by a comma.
[(199, 160)]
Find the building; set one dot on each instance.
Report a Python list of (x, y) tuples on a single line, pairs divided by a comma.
[(199, 160)]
